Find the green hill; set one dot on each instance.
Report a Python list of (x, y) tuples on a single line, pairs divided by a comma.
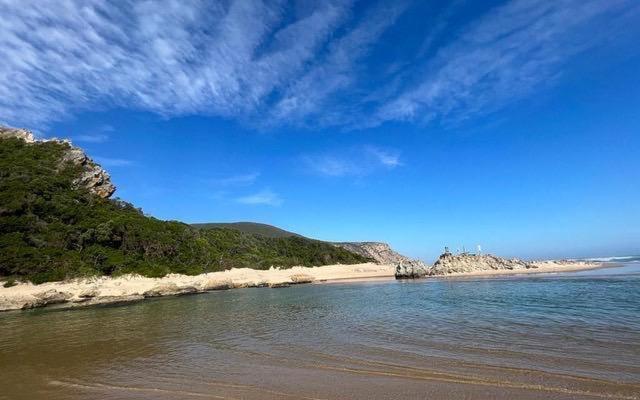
[(52, 228), (255, 228)]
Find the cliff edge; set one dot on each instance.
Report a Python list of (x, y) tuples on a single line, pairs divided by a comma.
[(93, 176), (381, 253)]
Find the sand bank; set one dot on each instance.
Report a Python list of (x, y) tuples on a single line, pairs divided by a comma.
[(82, 292)]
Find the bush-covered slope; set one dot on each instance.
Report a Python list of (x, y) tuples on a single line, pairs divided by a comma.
[(50, 229), (255, 228)]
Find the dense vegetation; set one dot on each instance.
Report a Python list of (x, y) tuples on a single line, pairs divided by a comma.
[(51, 230), (250, 227)]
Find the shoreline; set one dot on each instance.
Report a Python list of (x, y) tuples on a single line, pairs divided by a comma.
[(129, 288)]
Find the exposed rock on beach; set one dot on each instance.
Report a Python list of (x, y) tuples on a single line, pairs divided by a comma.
[(449, 263), (408, 271)]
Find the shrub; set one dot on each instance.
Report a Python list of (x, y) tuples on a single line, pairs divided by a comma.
[(10, 282)]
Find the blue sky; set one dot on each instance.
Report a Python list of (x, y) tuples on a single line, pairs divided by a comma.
[(509, 124)]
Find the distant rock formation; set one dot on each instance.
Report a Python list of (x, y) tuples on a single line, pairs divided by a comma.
[(93, 177), (381, 253), (449, 263)]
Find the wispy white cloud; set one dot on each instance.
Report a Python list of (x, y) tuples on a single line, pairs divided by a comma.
[(310, 93), (113, 162), (97, 135), (273, 63), (170, 57), (512, 51), (386, 157), (91, 138), (357, 161), (332, 165), (235, 180), (263, 197)]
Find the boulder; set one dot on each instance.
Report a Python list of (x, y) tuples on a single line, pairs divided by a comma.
[(302, 278), (410, 271), (169, 289), (276, 285)]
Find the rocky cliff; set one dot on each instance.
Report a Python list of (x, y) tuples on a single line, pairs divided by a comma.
[(6, 132), (382, 253), (449, 263), (93, 177)]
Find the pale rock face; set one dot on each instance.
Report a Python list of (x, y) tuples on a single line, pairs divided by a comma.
[(27, 136), (456, 263), (405, 271), (302, 278), (93, 177), (382, 253)]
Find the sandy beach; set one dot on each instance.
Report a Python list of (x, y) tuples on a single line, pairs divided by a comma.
[(83, 292)]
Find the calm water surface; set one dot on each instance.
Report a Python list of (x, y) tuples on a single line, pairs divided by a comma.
[(554, 336)]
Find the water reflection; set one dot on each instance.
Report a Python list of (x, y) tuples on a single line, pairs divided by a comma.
[(554, 335)]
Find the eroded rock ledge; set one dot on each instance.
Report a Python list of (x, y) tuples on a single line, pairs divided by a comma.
[(449, 263), (94, 177), (382, 253)]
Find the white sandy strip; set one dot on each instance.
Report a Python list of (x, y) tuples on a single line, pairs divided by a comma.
[(102, 290), (131, 287)]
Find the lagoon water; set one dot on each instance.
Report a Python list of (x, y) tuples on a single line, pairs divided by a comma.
[(561, 336)]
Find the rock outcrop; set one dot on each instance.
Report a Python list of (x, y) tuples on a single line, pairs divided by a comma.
[(449, 263), (381, 253), (93, 177), (6, 132), (405, 271)]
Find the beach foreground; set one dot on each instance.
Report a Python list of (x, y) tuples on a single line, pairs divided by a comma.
[(103, 290), (556, 336)]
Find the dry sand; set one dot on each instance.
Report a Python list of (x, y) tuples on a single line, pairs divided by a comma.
[(80, 292)]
